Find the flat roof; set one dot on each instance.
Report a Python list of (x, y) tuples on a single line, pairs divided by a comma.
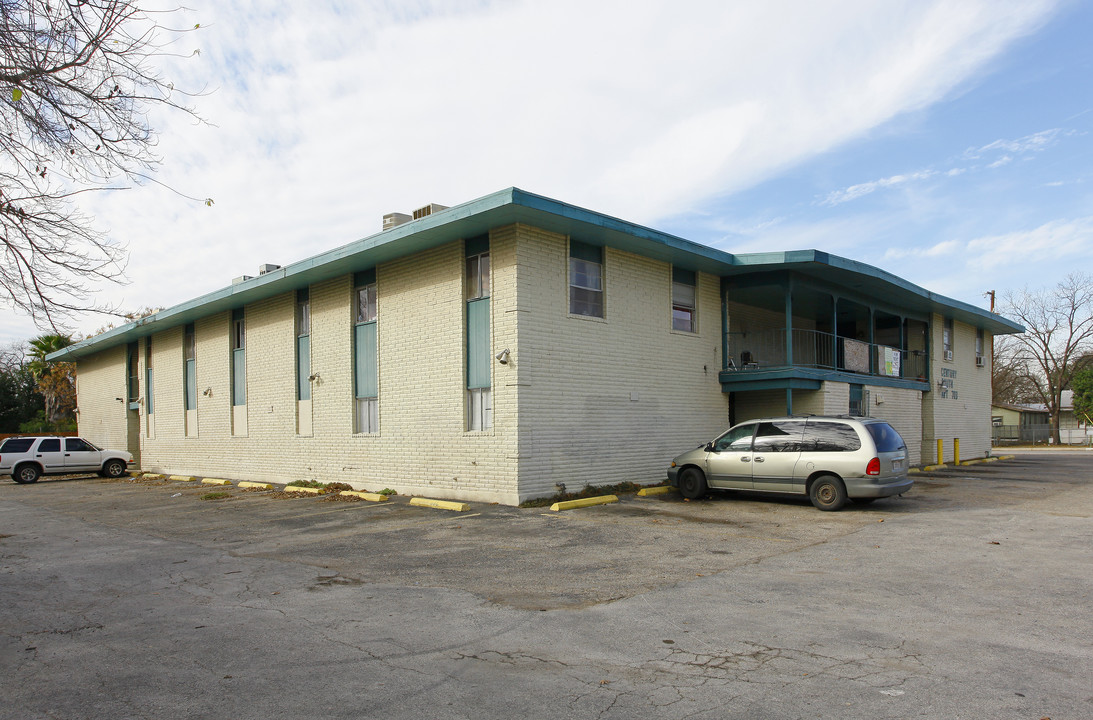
[(511, 206)]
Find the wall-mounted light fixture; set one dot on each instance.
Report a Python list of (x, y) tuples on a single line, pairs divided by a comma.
[(207, 392), (314, 377), (503, 357)]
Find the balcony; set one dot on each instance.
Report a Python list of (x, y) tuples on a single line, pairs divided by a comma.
[(802, 359)]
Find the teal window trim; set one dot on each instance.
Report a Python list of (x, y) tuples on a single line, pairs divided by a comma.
[(149, 392), (239, 358), (478, 344), (365, 375), (189, 352), (303, 345)]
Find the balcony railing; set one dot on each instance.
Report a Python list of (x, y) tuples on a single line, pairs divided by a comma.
[(767, 349)]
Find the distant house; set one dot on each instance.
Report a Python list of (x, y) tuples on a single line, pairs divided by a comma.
[(1032, 422), (494, 350)]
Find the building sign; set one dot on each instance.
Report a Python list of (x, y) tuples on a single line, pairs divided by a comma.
[(947, 384), (889, 364)]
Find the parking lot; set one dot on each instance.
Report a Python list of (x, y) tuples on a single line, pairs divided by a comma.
[(968, 597)]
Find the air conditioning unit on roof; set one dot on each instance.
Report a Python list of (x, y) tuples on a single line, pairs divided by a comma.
[(428, 210), (391, 220)]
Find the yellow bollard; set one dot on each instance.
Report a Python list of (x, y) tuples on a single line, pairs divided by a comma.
[(940, 451), (956, 451)]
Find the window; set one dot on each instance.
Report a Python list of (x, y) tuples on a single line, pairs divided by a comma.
[(736, 440), (365, 357), (830, 437), (585, 279), (16, 445), (303, 345), (132, 357), (885, 437), (189, 349), (477, 294), (78, 445), (779, 436), (149, 387), (947, 338), (49, 445), (683, 300), (979, 346), (239, 357)]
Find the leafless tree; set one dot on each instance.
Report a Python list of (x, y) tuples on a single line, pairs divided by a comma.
[(1011, 382), (77, 83), (1058, 336)]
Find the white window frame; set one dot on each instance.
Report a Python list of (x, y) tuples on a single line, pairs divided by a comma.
[(479, 409)]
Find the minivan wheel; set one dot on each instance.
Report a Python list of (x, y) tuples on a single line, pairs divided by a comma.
[(692, 483), (828, 493), (26, 474), (113, 469)]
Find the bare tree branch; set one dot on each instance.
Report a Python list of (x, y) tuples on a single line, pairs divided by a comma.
[(77, 83), (1058, 337)]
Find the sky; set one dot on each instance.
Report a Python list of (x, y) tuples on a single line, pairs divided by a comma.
[(948, 142)]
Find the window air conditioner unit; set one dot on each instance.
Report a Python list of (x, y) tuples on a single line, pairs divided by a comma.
[(980, 361), (948, 354)]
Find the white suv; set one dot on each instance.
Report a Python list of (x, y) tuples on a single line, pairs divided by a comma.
[(829, 459), (28, 458)]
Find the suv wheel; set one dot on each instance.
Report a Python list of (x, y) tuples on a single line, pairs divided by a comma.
[(26, 474), (827, 493), (113, 469), (692, 483)]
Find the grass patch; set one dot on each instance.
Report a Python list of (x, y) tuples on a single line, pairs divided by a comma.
[(219, 495), (307, 483), (624, 488)]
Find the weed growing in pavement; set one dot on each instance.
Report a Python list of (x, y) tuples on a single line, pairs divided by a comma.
[(624, 488), (216, 495)]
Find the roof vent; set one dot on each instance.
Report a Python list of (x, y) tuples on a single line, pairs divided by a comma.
[(267, 268), (241, 279), (391, 220), (428, 210)]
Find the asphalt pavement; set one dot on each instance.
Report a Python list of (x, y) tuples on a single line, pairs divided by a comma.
[(968, 597)]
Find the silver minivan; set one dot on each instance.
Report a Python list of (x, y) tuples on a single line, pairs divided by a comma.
[(829, 459)]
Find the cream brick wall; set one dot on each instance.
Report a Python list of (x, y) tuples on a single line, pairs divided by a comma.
[(611, 400), (963, 409), (99, 381), (582, 400), (422, 446)]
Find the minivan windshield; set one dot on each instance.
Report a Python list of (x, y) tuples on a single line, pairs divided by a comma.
[(885, 437)]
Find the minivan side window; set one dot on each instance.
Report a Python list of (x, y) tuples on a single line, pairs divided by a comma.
[(885, 437), (779, 436), (830, 437), (736, 440)]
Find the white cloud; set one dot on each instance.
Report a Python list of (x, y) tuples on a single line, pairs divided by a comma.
[(861, 189), (1051, 242), (326, 116), (1029, 143)]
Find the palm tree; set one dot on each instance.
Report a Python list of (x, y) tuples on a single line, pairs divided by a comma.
[(56, 380)]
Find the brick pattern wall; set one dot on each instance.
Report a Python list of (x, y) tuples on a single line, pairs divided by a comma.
[(611, 400), (422, 447), (99, 381), (963, 408)]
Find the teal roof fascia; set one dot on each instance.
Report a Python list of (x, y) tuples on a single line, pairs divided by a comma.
[(476, 217), (505, 207)]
